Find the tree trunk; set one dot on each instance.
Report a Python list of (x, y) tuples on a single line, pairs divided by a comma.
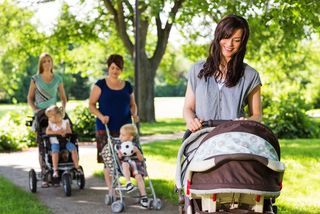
[(146, 90)]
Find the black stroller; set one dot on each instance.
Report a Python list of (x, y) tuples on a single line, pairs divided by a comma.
[(232, 168), (66, 169), (119, 192)]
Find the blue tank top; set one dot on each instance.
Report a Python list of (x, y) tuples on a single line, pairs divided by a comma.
[(115, 104)]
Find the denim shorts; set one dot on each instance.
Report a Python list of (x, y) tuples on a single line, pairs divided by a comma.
[(55, 147)]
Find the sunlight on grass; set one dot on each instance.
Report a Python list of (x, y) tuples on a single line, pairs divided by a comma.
[(301, 189), (15, 200), (163, 126)]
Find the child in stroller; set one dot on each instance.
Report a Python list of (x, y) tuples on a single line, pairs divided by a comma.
[(113, 157), (233, 167), (132, 162), (53, 168), (59, 126)]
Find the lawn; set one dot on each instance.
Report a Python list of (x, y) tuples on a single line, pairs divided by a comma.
[(14, 200)]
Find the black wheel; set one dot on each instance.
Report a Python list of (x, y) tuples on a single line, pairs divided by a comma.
[(32, 181), (81, 181), (66, 180), (275, 209)]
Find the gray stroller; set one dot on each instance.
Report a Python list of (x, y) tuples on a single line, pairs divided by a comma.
[(231, 168), (110, 157)]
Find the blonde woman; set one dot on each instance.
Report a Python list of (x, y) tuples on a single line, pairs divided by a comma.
[(43, 90)]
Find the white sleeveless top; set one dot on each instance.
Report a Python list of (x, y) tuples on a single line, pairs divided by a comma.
[(55, 127)]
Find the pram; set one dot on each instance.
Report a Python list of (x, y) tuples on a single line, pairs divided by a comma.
[(110, 158), (66, 169), (232, 168)]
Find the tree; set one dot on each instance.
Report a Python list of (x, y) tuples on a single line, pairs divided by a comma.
[(123, 17)]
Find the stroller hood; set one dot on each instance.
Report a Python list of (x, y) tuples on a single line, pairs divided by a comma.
[(248, 144)]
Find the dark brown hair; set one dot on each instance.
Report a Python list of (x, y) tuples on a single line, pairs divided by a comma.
[(235, 67), (116, 59)]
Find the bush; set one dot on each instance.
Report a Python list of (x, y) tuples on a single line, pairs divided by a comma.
[(288, 119), (83, 122), (13, 134)]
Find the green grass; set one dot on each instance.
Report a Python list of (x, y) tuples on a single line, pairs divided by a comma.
[(163, 126), (14, 200)]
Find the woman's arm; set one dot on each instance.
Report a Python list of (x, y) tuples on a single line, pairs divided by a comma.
[(31, 96), (93, 99), (193, 123), (63, 96), (133, 108), (254, 104)]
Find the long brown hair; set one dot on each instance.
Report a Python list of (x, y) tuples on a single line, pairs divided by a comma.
[(235, 67), (41, 58)]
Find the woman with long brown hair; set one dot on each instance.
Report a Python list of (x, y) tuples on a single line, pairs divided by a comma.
[(222, 85)]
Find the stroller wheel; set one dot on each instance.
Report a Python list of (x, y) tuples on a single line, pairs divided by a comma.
[(150, 204), (157, 204), (66, 180), (275, 209), (32, 181), (81, 182), (117, 207)]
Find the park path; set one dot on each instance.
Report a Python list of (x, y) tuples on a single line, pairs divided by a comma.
[(15, 167)]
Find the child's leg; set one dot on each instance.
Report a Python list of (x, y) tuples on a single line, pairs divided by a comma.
[(126, 171), (140, 183), (55, 158), (74, 154)]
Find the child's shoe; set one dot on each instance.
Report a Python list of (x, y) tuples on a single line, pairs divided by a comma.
[(130, 187), (144, 201)]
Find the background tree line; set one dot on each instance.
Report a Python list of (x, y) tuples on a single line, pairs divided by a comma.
[(283, 47)]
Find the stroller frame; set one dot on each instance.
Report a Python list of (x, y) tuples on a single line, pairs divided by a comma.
[(67, 172), (117, 199)]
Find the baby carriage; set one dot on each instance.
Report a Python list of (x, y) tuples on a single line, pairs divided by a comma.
[(232, 168), (66, 169), (110, 158)]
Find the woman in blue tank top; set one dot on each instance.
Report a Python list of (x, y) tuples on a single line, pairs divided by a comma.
[(116, 106)]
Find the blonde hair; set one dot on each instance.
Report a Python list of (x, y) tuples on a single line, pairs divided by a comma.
[(41, 58), (56, 110), (130, 129)]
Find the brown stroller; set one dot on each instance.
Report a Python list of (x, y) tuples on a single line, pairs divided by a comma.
[(232, 168)]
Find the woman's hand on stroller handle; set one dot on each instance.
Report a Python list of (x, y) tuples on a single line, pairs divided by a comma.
[(104, 119)]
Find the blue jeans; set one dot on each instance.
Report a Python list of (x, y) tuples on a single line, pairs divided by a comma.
[(55, 147)]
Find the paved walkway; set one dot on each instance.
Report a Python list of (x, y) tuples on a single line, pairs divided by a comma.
[(15, 167)]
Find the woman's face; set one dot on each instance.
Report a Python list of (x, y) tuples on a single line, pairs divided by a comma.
[(114, 70), (231, 45), (47, 63)]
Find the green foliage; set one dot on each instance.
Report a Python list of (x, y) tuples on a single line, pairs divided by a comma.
[(83, 122), (287, 117), (14, 135)]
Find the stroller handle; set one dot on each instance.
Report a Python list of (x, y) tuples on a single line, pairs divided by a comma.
[(213, 123)]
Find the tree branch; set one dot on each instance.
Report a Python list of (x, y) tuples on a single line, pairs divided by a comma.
[(119, 20), (163, 33)]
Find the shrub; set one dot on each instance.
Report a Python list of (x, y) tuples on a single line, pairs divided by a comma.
[(288, 119), (83, 122), (14, 135)]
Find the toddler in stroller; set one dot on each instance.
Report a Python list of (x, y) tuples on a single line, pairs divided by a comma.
[(234, 167), (127, 160), (58, 140)]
